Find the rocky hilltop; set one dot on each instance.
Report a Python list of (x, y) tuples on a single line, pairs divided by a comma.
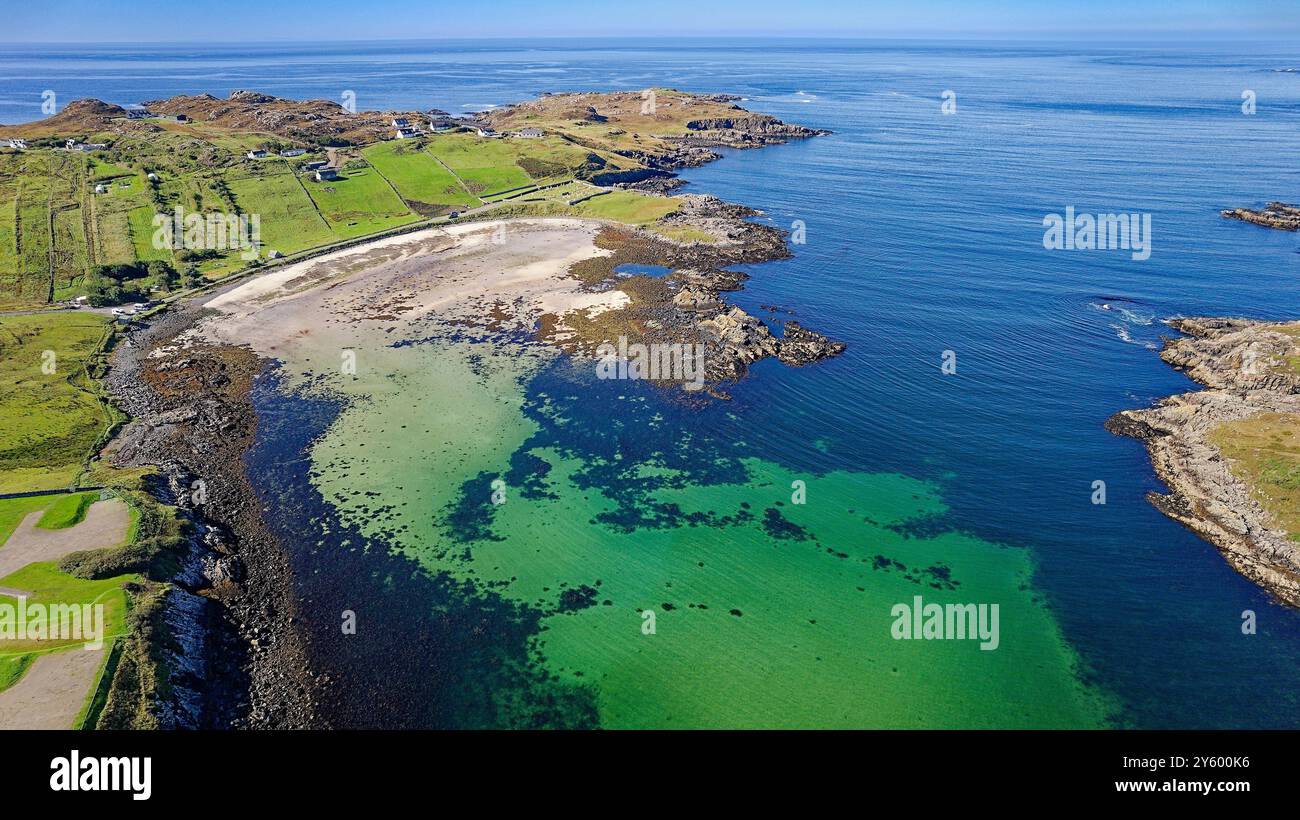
[(1250, 372), (319, 121)]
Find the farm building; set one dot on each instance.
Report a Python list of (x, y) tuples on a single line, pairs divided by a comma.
[(327, 174)]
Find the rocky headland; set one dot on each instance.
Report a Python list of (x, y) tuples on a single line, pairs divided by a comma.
[(1249, 370)]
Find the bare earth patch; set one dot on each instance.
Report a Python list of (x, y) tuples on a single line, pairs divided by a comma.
[(105, 525), (52, 692)]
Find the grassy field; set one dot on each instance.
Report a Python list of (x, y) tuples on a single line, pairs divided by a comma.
[(359, 202), (627, 206), (423, 182), (67, 510), (49, 421), (48, 585), (487, 166), (1264, 452), (290, 221)]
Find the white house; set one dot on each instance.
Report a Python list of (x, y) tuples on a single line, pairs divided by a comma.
[(406, 133), (293, 152), (101, 188), (531, 133), (73, 145), (256, 154), (136, 112), (327, 174), (401, 122), (15, 143), (487, 132)]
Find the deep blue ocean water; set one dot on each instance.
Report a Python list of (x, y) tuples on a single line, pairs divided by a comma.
[(924, 234)]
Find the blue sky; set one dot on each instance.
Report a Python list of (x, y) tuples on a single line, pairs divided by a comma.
[(249, 21)]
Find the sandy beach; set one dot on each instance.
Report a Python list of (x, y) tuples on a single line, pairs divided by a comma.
[(498, 275)]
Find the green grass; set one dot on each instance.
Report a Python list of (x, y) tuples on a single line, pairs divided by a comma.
[(49, 422), (487, 166), (8, 235), (140, 223), (421, 180), (13, 667), (14, 510), (113, 230), (101, 170), (1264, 452), (53, 227), (358, 203), (48, 585), (71, 256), (627, 206), (289, 220), (67, 510)]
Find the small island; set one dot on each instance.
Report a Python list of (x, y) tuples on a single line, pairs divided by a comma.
[(1277, 215)]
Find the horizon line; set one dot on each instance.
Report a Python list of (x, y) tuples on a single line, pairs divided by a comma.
[(1017, 37)]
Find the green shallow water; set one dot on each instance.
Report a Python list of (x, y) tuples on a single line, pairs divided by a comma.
[(768, 613)]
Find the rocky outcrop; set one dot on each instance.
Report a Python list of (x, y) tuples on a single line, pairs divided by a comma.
[(1277, 215), (737, 340), (1246, 366), (800, 346), (749, 130)]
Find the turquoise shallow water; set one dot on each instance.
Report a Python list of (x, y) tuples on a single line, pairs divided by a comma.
[(924, 235)]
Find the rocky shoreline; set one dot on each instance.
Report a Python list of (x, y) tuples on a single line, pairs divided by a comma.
[(232, 600), (1247, 369), (688, 304)]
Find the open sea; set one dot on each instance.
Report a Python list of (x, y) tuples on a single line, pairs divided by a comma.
[(923, 234)]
